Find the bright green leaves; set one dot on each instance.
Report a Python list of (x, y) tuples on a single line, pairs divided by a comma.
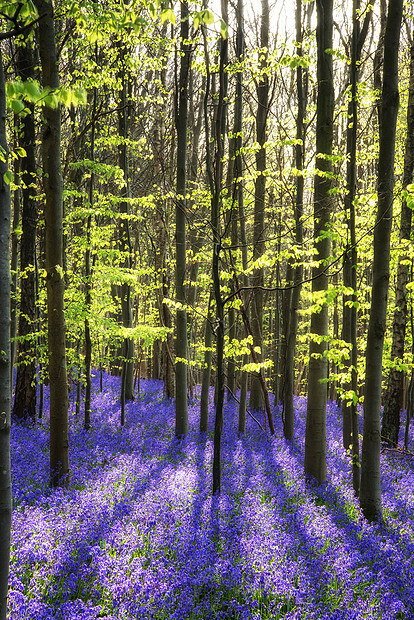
[(295, 61), (20, 93), (202, 17), (206, 17), (168, 15), (17, 106), (223, 29), (27, 10), (8, 177), (408, 195)]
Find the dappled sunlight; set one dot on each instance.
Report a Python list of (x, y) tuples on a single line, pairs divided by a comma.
[(138, 534)]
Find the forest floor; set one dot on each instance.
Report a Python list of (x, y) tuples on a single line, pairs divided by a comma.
[(139, 536)]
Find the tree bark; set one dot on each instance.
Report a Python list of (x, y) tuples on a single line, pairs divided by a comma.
[(124, 232), (5, 361), (217, 247), (205, 385), (237, 183), (393, 395), (350, 430), (24, 406), (52, 180), (259, 234), (295, 272), (370, 492), (14, 262), (181, 406), (88, 278), (315, 442)]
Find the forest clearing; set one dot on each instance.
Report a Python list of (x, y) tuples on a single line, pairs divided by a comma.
[(139, 535)]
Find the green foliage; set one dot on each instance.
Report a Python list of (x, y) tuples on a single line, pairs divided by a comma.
[(20, 92)]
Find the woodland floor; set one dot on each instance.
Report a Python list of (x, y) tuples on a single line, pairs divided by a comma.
[(138, 535)]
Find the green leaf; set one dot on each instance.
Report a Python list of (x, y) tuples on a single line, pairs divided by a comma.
[(223, 29), (17, 105), (8, 177), (207, 17), (32, 91), (65, 97), (168, 14), (10, 90)]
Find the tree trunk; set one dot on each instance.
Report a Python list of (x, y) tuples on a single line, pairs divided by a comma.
[(5, 362), (256, 318), (24, 406), (295, 273), (14, 261), (205, 385), (181, 406), (350, 429), (393, 395), (52, 180), (217, 247), (88, 278), (315, 442), (370, 493), (237, 180), (124, 232)]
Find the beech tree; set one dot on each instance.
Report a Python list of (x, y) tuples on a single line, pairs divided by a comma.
[(5, 361), (216, 203), (315, 443), (370, 492), (349, 327), (24, 406), (181, 407), (259, 232), (53, 187), (393, 396), (294, 269)]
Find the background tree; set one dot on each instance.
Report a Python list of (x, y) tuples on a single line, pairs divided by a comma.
[(294, 271), (259, 231), (181, 415), (52, 180), (370, 493), (24, 406), (5, 362), (394, 392), (315, 443), (349, 323), (216, 204)]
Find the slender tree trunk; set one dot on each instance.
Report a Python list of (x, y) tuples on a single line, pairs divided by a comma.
[(88, 279), (259, 234), (393, 395), (5, 362), (379, 57), (295, 272), (181, 406), (370, 492), (24, 406), (196, 238), (237, 180), (315, 442), (208, 334), (14, 261), (52, 180), (217, 247), (124, 232), (205, 385), (350, 429)]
